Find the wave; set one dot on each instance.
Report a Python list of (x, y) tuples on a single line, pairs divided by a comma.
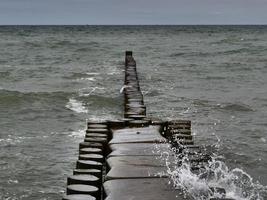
[(76, 106), (235, 51), (87, 79), (215, 78), (5, 74), (236, 40), (251, 50), (153, 93), (83, 46), (82, 76), (92, 73), (84, 49), (240, 107), (99, 101), (85, 92), (177, 54), (237, 184), (15, 139), (79, 133), (33, 44), (114, 72), (9, 97)]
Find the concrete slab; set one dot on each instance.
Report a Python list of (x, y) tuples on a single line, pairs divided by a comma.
[(146, 161), (138, 149), (78, 197), (145, 189), (126, 172), (149, 134), (125, 167)]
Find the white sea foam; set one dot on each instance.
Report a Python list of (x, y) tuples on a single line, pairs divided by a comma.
[(87, 79), (114, 72), (13, 139), (12, 181), (216, 174), (77, 134), (92, 73), (263, 139), (76, 106)]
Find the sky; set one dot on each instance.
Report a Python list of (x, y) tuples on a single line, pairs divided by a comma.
[(119, 12)]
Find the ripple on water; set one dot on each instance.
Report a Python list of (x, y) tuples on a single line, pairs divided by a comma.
[(235, 107)]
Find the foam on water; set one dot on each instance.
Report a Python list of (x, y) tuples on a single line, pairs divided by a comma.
[(76, 106), (92, 73), (14, 140), (114, 72), (78, 134), (263, 140), (238, 184), (87, 79)]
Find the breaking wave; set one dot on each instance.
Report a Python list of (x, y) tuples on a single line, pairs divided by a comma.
[(214, 179), (76, 106)]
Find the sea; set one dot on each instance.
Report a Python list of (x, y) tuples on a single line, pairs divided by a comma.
[(54, 78)]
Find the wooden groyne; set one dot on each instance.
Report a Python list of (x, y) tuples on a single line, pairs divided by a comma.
[(117, 159)]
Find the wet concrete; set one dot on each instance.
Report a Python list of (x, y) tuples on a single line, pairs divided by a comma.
[(149, 134), (145, 189), (138, 149)]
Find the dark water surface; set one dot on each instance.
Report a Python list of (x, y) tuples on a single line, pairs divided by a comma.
[(54, 77)]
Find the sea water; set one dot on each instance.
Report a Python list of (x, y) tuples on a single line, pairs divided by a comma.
[(52, 78)]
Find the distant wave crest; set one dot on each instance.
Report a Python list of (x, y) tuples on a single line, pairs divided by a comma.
[(236, 107)]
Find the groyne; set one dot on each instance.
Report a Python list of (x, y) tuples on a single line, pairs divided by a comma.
[(118, 159)]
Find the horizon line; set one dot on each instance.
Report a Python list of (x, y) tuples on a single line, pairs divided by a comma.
[(133, 24)]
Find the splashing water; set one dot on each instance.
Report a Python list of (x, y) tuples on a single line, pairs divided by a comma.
[(211, 179), (76, 106)]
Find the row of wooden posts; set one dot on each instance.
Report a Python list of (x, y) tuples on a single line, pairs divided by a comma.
[(92, 168)]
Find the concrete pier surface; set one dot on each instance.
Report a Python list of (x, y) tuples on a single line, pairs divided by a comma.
[(120, 159)]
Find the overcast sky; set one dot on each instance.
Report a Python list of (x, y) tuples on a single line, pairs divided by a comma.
[(133, 12)]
